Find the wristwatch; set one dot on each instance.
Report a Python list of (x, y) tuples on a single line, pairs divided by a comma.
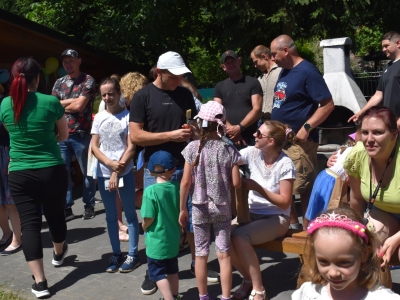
[(242, 128), (307, 127)]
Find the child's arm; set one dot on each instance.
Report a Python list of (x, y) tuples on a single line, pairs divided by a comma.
[(128, 154), (236, 180), (184, 193), (147, 223)]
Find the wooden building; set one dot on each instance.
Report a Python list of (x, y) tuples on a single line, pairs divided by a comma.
[(21, 37)]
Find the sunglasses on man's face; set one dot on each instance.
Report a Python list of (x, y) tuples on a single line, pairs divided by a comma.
[(259, 135)]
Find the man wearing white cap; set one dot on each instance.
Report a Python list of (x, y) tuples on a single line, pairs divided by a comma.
[(157, 115)]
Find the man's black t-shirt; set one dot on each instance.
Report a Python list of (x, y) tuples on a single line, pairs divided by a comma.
[(162, 111), (389, 84), (236, 98)]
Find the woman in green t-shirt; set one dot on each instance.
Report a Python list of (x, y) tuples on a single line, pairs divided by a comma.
[(374, 174), (38, 176)]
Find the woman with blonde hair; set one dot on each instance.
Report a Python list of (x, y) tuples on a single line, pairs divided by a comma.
[(272, 174), (130, 84)]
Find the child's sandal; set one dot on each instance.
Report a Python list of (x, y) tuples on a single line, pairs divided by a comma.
[(254, 293)]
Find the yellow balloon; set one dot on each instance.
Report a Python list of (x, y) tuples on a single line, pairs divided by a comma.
[(51, 65)]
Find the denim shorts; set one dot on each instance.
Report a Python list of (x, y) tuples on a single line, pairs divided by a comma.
[(159, 269)]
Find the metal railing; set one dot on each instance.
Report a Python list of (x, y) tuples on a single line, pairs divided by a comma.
[(367, 82)]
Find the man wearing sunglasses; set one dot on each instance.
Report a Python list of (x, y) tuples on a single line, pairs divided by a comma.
[(303, 101)]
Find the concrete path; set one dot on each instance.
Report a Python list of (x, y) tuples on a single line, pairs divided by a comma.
[(83, 274)]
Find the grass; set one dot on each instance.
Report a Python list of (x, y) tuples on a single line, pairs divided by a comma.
[(8, 295)]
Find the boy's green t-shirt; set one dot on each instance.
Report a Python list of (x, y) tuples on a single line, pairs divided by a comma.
[(161, 202), (33, 143)]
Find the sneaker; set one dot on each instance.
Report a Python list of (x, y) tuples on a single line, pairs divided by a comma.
[(40, 289), (115, 262), (69, 215), (130, 264), (175, 297), (58, 260), (97, 200), (148, 286), (212, 276), (296, 226), (88, 213)]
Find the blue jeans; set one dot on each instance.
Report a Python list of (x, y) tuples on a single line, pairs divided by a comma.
[(127, 196), (78, 145), (177, 177)]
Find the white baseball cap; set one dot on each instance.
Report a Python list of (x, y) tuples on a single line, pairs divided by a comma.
[(172, 62)]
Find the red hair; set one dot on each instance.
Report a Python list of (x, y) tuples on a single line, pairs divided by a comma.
[(24, 71), (382, 113)]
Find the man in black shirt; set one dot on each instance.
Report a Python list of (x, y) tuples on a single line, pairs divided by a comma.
[(388, 89), (157, 113), (242, 98)]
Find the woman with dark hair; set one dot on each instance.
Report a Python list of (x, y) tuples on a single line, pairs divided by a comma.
[(374, 174), (38, 176)]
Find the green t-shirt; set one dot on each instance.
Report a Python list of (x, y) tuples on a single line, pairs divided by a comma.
[(356, 164), (161, 202), (33, 143)]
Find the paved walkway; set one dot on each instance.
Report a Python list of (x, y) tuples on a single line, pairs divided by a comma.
[(83, 277)]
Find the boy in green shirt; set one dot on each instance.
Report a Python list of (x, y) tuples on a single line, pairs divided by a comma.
[(160, 212)]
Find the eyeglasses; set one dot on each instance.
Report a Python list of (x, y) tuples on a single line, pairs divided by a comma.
[(259, 135)]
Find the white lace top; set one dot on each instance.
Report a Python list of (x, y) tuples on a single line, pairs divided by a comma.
[(309, 291)]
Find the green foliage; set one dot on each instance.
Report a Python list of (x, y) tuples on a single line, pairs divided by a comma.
[(140, 30), (368, 39), (8, 295)]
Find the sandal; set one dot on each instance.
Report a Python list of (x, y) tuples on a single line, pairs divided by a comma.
[(123, 236), (123, 228), (254, 293), (241, 293)]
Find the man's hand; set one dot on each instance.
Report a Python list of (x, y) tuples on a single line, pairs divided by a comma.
[(194, 130), (302, 135), (233, 131), (180, 135), (354, 117)]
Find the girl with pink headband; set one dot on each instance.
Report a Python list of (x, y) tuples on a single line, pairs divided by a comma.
[(343, 260)]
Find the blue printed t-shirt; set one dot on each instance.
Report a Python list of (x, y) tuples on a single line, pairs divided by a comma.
[(297, 94)]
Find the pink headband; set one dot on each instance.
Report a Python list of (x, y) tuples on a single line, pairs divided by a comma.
[(339, 221)]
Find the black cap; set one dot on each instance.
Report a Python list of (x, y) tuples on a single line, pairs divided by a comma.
[(228, 53), (69, 52)]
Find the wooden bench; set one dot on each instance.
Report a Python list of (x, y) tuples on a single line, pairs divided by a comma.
[(295, 240)]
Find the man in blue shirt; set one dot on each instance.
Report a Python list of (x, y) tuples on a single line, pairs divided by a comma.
[(303, 101)]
